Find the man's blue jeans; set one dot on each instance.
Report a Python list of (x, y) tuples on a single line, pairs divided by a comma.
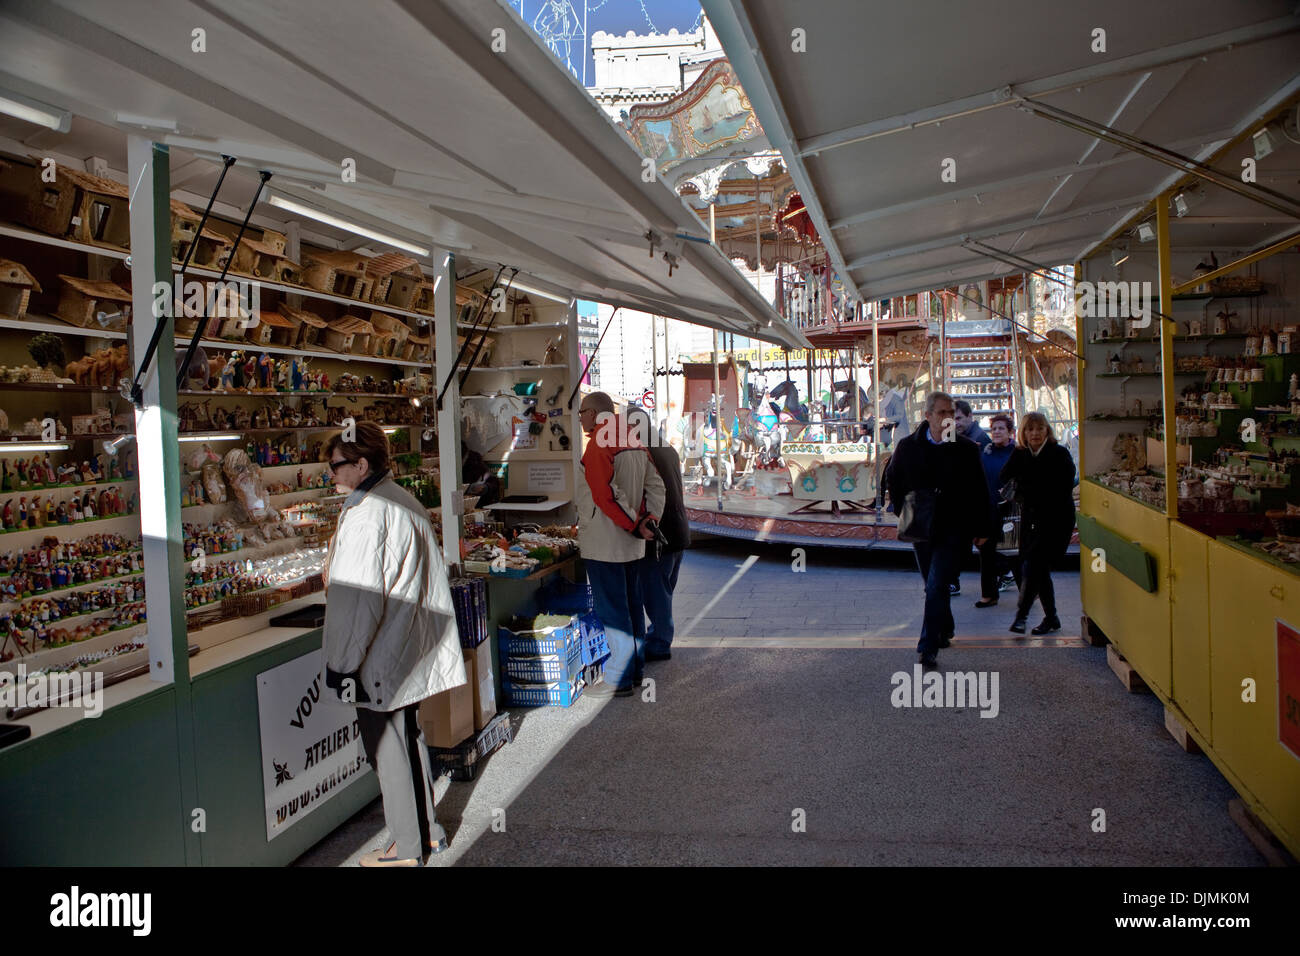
[(658, 581), (938, 559), (616, 588)]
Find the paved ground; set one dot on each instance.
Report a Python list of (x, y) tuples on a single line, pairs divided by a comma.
[(743, 744)]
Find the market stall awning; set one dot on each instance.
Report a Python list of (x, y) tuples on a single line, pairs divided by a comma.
[(908, 132), (463, 130)]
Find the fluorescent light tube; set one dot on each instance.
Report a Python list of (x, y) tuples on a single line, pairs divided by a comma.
[(563, 300), (288, 205), (33, 112), (389, 431), (6, 448), (232, 437)]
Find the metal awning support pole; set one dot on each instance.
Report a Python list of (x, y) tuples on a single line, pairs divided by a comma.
[(230, 259), (1017, 368), (460, 353), (875, 386), (136, 394), (943, 345), (446, 359), (592, 357), (469, 366), (159, 461), (1277, 201), (717, 422), (1167, 367)]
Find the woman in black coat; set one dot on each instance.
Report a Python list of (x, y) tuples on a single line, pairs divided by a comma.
[(1044, 475)]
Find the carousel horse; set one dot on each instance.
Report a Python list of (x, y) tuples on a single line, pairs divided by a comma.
[(703, 441)]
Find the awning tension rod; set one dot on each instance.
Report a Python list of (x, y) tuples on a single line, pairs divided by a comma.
[(591, 358), (230, 259), (474, 329), (136, 393), (469, 366)]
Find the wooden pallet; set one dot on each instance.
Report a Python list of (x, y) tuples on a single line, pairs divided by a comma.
[(1132, 681), (1178, 731), (1091, 633), (1258, 834)]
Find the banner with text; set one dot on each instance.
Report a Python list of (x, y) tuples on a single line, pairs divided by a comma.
[(311, 748)]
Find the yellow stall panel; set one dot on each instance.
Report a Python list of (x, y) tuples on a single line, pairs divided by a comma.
[(1136, 621), (1249, 597), (1190, 617)]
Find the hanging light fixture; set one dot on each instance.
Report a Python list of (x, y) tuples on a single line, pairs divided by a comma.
[(1119, 254), (1146, 232)]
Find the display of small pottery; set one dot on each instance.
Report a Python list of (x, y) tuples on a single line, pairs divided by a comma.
[(1286, 522)]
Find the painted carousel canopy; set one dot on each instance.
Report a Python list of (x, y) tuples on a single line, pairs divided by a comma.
[(915, 130)]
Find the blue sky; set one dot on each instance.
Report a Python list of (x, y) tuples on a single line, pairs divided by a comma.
[(612, 16)]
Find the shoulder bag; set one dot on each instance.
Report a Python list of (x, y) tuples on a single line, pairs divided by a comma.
[(916, 517)]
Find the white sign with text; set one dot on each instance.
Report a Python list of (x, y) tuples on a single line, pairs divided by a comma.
[(311, 747)]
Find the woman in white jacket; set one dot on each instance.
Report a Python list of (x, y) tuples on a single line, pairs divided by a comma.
[(390, 634)]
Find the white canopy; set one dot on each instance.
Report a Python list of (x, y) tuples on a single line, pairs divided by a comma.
[(466, 134), (871, 103)]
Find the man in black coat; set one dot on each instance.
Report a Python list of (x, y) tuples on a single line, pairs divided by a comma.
[(937, 458), (658, 569)]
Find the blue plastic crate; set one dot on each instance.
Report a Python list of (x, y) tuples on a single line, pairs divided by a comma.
[(564, 597), (559, 694), (592, 634), (544, 670), (540, 643)]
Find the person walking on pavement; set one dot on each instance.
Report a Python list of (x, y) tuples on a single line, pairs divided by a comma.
[(659, 567), (994, 458), (390, 637), (943, 469), (967, 425), (968, 428), (1045, 477), (619, 499)]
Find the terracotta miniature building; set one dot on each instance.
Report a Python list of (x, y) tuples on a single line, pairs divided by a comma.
[(393, 333), (338, 273), (213, 249), (80, 206), (349, 334), (16, 287), (273, 329), (308, 326), (417, 348), (397, 279), (94, 304)]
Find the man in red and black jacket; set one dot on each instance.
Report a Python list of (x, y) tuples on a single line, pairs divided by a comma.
[(620, 500)]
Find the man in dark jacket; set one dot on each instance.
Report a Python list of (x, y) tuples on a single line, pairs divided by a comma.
[(658, 571), (967, 425), (936, 458)]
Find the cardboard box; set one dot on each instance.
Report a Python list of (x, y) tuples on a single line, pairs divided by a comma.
[(448, 718), (478, 664)]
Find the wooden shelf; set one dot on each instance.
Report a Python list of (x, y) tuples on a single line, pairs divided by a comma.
[(515, 368), (531, 326), (56, 387), (549, 505), (22, 232), (305, 292), (38, 323)]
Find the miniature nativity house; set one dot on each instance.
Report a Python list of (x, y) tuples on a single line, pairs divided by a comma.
[(80, 206), (308, 326), (338, 273), (16, 287), (93, 304)]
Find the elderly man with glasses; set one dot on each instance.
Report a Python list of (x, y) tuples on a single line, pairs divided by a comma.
[(620, 498)]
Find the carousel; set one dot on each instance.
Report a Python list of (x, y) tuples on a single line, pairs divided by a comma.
[(791, 445)]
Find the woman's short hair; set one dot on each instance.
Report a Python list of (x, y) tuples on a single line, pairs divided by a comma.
[(371, 444), (1034, 418), (1005, 420)]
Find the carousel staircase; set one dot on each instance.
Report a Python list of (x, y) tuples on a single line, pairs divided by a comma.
[(981, 375)]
